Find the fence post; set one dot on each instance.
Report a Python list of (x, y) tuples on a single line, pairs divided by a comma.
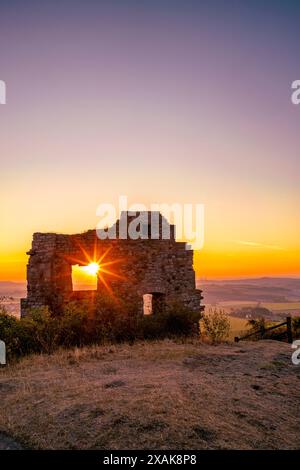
[(289, 329)]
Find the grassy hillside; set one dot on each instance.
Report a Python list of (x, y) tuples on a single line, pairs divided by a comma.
[(160, 395)]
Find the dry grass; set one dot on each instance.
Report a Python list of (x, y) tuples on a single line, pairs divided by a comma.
[(238, 327), (161, 395)]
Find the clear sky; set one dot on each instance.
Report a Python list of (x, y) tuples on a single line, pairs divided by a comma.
[(163, 101)]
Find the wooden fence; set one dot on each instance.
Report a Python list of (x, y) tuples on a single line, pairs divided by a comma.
[(262, 331)]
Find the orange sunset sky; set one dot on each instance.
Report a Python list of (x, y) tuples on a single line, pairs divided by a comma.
[(164, 106), (242, 237)]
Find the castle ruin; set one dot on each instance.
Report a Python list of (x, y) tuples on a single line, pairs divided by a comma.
[(134, 270)]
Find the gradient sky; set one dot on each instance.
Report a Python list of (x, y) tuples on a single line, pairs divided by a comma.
[(163, 101)]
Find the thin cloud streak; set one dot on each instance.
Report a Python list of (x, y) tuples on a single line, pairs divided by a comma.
[(258, 245)]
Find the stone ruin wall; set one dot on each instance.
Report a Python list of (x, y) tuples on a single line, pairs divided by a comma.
[(148, 266)]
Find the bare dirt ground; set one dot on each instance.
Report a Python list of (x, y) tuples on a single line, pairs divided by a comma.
[(161, 395)]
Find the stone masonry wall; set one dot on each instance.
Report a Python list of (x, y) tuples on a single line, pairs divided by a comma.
[(142, 266)]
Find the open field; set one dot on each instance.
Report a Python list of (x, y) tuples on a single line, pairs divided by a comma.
[(282, 306), (278, 311), (160, 395), (238, 327)]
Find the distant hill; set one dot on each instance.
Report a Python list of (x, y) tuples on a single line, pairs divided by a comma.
[(265, 289), (13, 289)]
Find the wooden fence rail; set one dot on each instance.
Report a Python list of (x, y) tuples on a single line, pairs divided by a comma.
[(263, 330)]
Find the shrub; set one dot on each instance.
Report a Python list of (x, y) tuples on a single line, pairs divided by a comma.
[(44, 328), (83, 323), (215, 325), (9, 333), (73, 325), (115, 320), (17, 335), (180, 320), (176, 320)]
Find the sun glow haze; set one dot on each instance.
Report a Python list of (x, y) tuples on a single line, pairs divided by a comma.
[(91, 269)]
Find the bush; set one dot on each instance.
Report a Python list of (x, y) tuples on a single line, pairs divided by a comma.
[(9, 333), (73, 325), (215, 325), (38, 332), (83, 323), (44, 330), (176, 320), (115, 320)]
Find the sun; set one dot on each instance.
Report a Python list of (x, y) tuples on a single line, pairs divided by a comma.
[(96, 268), (92, 268)]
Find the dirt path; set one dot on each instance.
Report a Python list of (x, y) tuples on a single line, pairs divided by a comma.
[(6, 443)]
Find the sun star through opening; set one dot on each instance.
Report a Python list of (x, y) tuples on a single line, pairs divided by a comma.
[(92, 268), (85, 277)]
